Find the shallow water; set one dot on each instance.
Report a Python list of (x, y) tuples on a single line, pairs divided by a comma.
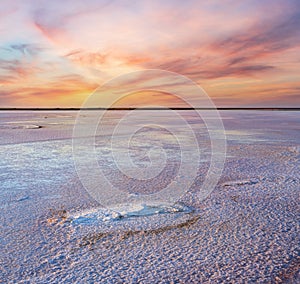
[(247, 230)]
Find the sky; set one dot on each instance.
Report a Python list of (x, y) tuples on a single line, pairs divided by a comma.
[(242, 53)]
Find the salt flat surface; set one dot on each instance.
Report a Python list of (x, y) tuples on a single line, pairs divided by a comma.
[(53, 231)]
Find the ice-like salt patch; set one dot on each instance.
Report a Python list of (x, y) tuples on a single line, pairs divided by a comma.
[(148, 210), (126, 211), (90, 226)]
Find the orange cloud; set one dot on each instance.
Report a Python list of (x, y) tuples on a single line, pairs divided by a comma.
[(57, 52)]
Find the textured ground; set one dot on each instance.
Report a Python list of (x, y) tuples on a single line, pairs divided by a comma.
[(247, 231)]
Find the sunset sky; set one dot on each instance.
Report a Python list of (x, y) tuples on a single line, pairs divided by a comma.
[(242, 53)]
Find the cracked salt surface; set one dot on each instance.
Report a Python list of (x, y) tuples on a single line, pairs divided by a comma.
[(247, 231)]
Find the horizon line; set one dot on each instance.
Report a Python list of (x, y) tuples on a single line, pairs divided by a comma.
[(150, 108)]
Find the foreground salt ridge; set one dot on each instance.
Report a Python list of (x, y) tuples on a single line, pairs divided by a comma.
[(241, 182)]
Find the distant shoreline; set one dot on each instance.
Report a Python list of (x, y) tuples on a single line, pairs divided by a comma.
[(152, 108)]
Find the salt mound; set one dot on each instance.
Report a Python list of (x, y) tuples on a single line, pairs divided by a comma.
[(19, 126)]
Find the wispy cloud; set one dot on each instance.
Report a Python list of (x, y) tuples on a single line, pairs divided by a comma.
[(58, 48)]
